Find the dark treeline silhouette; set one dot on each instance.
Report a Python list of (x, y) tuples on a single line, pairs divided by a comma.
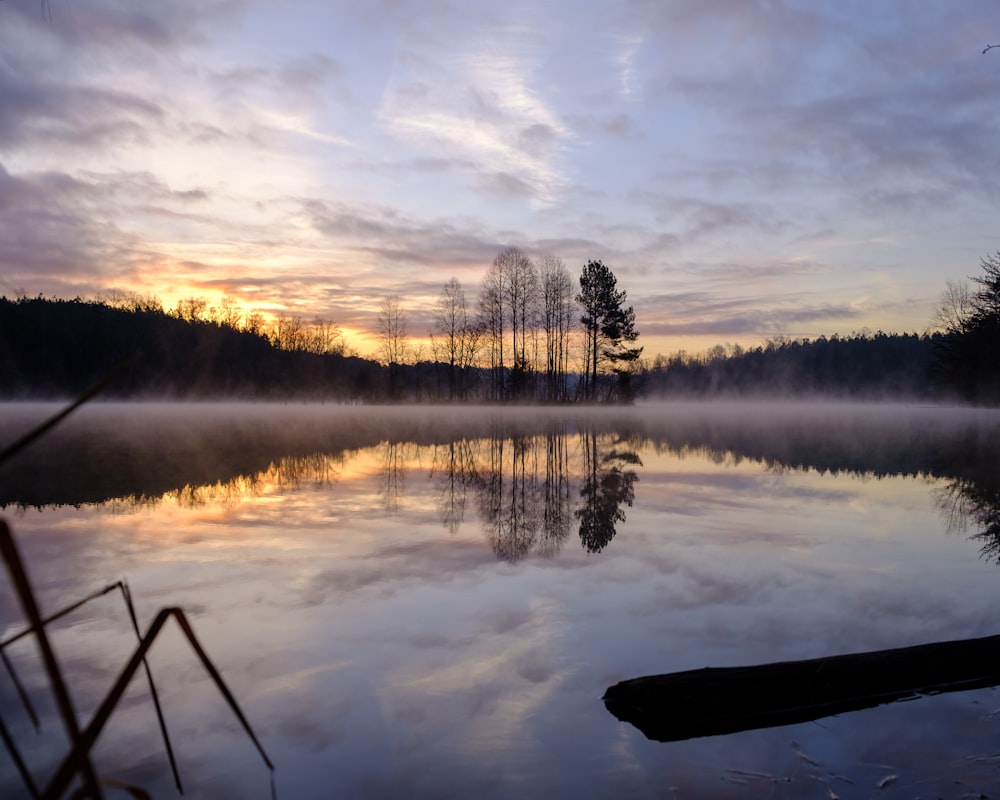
[(57, 348), (53, 348), (863, 365)]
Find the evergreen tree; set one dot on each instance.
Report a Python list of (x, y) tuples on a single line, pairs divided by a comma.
[(609, 327)]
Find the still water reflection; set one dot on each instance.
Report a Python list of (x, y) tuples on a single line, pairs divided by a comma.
[(431, 602)]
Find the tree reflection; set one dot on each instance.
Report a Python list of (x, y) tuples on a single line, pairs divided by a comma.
[(393, 476), (508, 497), (556, 516), (454, 469), (607, 484), (523, 492), (974, 502)]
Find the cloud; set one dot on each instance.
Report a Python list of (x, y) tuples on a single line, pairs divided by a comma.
[(478, 105), (59, 233), (697, 217), (381, 148), (386, 234), (42, 113), (120, 26), (707, 313)]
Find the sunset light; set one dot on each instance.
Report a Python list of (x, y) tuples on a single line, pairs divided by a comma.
[(748, 170)]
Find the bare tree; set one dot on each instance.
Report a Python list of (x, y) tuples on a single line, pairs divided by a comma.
[(455, 337), (228, 313), (191, 309), (325, 337), (130, 301), (508, 302), (253, 322), (954, 307), (557, 322), (521, 298), (491, 314), (392, 338), (289, 333)]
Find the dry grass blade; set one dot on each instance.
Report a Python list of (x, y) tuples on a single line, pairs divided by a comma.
[(22, 768), (87, 738), (77, 762), (25, 700), (62, 613), (29, 707), (152, 691), (19, 577)]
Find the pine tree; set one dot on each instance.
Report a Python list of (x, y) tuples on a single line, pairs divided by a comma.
[(609, 327)]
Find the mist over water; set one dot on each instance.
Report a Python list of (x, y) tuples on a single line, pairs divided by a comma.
[(431, 601)]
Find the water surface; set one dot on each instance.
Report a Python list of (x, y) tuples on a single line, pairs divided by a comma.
[(431, 602)]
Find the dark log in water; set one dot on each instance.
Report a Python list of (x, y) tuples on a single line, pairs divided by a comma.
[(718, 700)]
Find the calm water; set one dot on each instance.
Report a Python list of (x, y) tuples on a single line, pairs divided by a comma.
[(430, 603)]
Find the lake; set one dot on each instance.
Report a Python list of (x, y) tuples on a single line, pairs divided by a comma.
[(431, 602)]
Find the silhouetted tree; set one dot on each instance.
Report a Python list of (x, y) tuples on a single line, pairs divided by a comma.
[(493, 326), (608, 327), (191, 309), (455, 337), (392, 339), (557, 322), (968, 356)]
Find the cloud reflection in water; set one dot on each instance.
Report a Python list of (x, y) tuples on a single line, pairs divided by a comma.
[(457, 640)]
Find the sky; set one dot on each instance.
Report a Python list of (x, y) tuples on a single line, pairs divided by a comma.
[(746, 169)]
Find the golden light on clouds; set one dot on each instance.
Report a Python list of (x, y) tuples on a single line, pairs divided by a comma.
[(744, 176)]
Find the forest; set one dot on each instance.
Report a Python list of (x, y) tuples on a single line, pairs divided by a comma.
[(530, 338)]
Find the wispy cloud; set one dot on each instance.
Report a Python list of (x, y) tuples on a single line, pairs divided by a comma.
[(842, 155), (479, 105)]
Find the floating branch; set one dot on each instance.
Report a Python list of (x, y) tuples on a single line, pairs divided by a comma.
[(713, 701)]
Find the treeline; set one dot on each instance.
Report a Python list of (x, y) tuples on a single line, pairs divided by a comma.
[(862, 365), (533, 334), (58, 348)]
